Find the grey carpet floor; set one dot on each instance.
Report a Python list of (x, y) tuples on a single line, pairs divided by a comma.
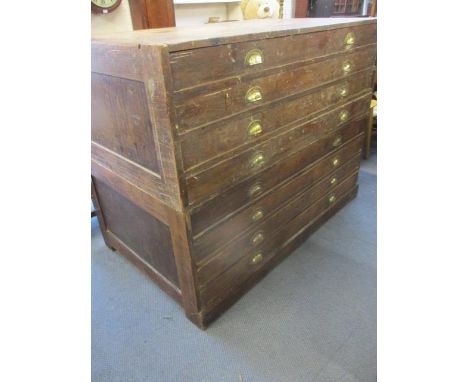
[(313, 318)]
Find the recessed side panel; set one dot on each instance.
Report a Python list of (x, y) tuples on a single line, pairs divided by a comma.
[(148, 237), (121, 120)]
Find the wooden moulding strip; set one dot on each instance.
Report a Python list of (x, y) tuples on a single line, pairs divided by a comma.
[(139, 197)]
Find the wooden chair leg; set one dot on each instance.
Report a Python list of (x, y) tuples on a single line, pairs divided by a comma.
[(368, 138)]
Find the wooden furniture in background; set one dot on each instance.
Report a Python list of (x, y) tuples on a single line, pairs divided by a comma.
[(331, 8), (148, 14), (302, 8), (373, 11), (217, 150), (372, 120), (346, 7), (371, 123)]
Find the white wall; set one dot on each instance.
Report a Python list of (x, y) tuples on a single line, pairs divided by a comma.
[(198, 14), (119, 20), (288, 9), (186, 15)]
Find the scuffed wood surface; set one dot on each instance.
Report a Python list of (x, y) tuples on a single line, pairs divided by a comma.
[(181, 38)]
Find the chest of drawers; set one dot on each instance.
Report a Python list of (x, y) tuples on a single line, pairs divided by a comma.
[(217, 150)]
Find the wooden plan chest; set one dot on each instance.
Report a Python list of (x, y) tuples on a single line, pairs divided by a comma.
[(217, 150)]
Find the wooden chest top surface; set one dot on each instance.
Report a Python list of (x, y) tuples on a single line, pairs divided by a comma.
[(181, 38)]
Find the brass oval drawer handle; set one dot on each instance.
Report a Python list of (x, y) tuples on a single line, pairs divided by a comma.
[(253, 95), (346, 67), (333, 181), (257, 160), (257, 258), (258, 238), (335, 162), (254, 57), (332, 199), (344, 115), (337, 142), (255, 190), (257, 215), (350, 39), (255, 128), (343, 91)]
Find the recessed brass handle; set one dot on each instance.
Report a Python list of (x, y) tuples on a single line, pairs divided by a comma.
[(333, 181), (344, 91), (258, 238), (346, 67), (335, 162), (350, 39), (344, 115), (255, 190), (257, 215), (256, 259), (257, 160), (254, 57), (332, 199), (253, 95), (255, 128), (337, 142)]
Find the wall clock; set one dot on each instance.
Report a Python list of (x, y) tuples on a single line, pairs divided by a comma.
[(104, 6)]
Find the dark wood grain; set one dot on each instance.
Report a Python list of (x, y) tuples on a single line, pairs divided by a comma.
[(147, 236), (160, 13), (223, 233), (222, 286), (287, 249), (120, 122), (189, 66), (245, 245), (116, 60), (302, 8), (220, 140), (198, 106), (238, 197), (185, 265), (139, 14), (173, 181), (185, 38), (99, 215), (321, 133), (129, 253), (148, 14)]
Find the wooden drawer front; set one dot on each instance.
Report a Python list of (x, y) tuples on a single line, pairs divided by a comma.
[(250, 262), (203, 185), (309, 159), (197, 66), (218, 139), (304, 188), (215, 101)]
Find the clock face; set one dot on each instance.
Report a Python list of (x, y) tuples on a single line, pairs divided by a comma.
[(104, 6)]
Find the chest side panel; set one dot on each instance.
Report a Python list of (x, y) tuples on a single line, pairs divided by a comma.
[(130, 118), (137, 193), (148, 237), (121, 121)]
